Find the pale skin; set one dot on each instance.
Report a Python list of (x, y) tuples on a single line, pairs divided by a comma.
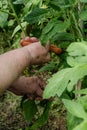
[(14, 62)]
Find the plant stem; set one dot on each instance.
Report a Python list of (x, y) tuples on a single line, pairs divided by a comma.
[(78, 87), (76, 25), (16, 17), (6, 12)]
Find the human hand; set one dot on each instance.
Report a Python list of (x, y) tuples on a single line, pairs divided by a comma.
[(31, 86), (38, 53)]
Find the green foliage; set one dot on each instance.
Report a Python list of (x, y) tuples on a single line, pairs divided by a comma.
[(59, 82), (50, 66), (72, 121), (62, 23), (42, 120), (3, 19), (84, 1), (83, 15), (75, 108), (18, 28), (54, 27), (77, 56), (36, 16), (30, 109)]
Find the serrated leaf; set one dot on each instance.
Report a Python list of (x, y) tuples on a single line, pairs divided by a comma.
[(56, 27), (30, 109), (75, 108), (83, 15), (64, 36), (64, 79), (36, 15), (49, 67), (49, 26)]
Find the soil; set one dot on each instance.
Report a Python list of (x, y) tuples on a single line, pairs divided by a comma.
[(12, 116)]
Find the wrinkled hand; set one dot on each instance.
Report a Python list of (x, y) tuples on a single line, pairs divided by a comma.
[(31, 86), (38, 53)]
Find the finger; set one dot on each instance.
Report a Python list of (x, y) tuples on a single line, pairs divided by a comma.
[(25, 43), (47, 46), (48, 57), (39, 92), (27, 38), (42, 84), (34, 39)]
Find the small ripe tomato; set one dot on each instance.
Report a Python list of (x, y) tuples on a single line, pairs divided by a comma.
[(55, 49)]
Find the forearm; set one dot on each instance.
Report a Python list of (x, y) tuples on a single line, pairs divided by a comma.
[(11, 65)]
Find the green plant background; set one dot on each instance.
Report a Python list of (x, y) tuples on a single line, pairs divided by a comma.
[(63, 23)]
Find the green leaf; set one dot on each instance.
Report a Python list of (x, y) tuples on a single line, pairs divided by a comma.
[(64, 79), (83, 100), (29, 108), (82, 126), (64, 36), (18, 2), (42, 120), (52, 29), (77, 48), (62, 4), (82, 91), (36, 15), (11, 22), (84, 1), (72, 121), (75, 108), (3, 19), (18, 28), (83, 15), (73, 61), (49, 67), (77, 56)]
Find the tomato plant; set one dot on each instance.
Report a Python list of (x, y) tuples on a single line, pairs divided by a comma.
[(63, 23)]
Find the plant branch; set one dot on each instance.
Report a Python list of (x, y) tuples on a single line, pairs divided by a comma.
[(6, 12), (17, 19), (78, 87), (76, 25)]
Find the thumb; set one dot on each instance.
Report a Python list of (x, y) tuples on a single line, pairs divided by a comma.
[(47, 46)]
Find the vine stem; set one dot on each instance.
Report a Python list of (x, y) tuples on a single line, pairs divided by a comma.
[(16, 17)]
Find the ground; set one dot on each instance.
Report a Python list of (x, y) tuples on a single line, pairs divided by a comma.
[(12, 116)]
